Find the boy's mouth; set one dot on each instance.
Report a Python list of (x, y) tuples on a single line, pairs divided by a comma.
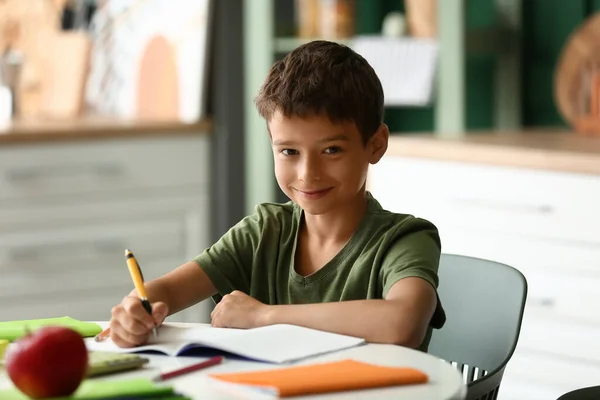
[(314, 194)]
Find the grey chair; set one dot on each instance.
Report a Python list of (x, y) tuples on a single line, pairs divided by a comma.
[(484, 303)]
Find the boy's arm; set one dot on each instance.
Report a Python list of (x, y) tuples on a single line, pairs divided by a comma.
[(180, 288), (402, 318)]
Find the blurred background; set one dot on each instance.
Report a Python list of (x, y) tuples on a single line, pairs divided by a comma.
[(131, 124)]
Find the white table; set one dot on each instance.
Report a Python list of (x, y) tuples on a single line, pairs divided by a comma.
[(445, 382)]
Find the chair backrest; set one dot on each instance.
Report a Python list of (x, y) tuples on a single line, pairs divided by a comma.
[(484, 303)]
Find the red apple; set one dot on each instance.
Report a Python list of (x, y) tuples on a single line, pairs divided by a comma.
[(50, 362)]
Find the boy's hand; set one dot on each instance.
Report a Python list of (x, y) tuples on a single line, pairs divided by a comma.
[(238, 310), (131, 324)]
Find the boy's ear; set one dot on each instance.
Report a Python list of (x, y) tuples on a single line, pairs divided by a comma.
[(379, 143)]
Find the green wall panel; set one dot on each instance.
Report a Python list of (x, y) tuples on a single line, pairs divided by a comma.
[(480, 95), (410, 119)]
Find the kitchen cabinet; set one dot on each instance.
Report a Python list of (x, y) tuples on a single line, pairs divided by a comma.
[(69, 208), (527, 201)]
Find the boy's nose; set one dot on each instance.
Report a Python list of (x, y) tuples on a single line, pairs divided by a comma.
[(310, 170)]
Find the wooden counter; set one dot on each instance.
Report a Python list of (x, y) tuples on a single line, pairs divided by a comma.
[(557, 150), (36, 131)]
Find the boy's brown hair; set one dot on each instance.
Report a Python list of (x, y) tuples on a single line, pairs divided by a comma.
[(324, 78)]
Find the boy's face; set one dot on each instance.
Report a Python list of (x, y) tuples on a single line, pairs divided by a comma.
[(321, 165)]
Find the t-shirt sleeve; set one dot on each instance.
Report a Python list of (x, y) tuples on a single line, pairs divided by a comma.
[(415, 252), (228, 262)]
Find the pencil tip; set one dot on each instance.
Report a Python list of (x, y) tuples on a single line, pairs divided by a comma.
[(127, 252)]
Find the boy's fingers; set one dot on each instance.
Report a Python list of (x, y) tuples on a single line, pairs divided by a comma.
[(132, 305), (134, 308), (116, 333), (116, 339), (159, 312), (133, 326), (127, 321), (216, 310), (216, 322), (124, 338), (214, 315)]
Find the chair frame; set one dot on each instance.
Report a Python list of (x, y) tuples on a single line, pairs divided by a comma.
[(487, 387)]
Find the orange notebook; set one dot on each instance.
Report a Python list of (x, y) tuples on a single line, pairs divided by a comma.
[(319, 378)]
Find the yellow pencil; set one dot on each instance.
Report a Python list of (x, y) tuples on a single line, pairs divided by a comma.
[(138, 283)]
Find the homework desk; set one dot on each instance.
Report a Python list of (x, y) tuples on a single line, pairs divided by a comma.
[(445, 381)]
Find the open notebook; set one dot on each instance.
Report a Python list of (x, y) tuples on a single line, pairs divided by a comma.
[(274, 344)]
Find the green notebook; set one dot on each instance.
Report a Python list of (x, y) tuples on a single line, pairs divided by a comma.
[(12, 330), (91, 389)]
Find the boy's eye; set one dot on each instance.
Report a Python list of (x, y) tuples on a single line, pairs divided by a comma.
[(333, 150), (289, 152)]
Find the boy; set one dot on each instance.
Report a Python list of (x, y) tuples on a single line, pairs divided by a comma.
[(332, 258)]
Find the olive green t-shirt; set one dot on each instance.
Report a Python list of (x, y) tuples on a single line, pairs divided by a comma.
[(256, 256)]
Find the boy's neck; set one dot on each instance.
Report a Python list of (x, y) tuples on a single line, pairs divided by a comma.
[(338, 226)]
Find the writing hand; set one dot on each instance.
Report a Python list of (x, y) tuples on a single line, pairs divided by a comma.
[(130, 323)]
